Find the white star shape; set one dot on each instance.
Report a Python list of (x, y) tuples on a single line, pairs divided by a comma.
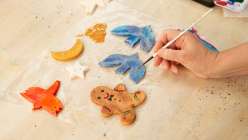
[(77, 70), (91, 5)]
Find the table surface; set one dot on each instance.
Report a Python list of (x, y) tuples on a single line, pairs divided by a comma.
[(216, 110)]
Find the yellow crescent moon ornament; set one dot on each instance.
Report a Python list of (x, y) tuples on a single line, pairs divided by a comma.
[(70, 54)]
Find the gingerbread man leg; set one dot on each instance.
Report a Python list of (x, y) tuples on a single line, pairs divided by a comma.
[(128, 117), (106, 112)]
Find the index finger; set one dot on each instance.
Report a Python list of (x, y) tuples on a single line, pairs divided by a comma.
[(166, 36)]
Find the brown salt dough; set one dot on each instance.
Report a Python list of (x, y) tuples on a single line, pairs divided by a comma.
[(118, 101)]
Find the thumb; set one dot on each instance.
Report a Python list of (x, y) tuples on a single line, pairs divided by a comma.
[(171, 55)]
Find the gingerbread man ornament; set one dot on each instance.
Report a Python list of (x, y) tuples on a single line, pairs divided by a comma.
[(118, 101)]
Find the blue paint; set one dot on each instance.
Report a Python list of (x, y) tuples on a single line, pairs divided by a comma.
[(148, 39), (112, 60), (135, 34), (208, 45), (131, 64), (126, 30), (204, 42), (138, 73), (132, 40)]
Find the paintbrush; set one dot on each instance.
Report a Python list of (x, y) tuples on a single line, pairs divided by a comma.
[(178, 36)]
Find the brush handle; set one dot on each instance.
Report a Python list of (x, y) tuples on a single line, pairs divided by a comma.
[(183, 32)]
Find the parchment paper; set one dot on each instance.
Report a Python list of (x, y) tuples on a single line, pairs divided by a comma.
[(75, 94), (177, 107)]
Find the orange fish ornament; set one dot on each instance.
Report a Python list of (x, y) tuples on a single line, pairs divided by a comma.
[(44, 98)]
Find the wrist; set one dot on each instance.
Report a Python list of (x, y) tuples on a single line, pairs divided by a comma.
[(214, 67)]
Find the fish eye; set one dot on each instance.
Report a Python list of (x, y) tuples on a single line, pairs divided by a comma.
[(102, 90), (98, 97)]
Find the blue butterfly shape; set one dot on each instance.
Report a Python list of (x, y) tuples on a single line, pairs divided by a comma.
[(126, 63), (135, 34)]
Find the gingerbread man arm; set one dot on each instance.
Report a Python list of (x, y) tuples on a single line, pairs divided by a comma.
[(128, 117), (138, 97), (106, 112)]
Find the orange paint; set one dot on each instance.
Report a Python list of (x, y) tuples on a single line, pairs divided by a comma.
[(44, 98), (97, 32)]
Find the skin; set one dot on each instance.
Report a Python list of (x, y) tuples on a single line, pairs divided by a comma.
[(190, 53)]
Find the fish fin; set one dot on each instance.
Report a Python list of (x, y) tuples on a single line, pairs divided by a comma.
[(126, 30), (33, 94), (112, 60), (137, 74), (52, 105), (53, 89), (36, 106), (132, 40), (123, 68), (147, 39)]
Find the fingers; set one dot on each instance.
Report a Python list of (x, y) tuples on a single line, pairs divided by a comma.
[(166, 36), (170, 35), (159, 44), (157, 61), (166, 65), (165, 56), (174, 68), (170, 66), (171, 55)]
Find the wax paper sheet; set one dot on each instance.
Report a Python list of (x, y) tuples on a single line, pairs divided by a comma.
[(75, 94)]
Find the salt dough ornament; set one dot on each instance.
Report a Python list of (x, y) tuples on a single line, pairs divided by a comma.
[(77, 70), (118, 101), (135, 34), (97, 32), (44, 98), (71, 53), (91, 5), (126, 63)]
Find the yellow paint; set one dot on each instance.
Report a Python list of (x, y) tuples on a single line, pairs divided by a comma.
[(72, 53)]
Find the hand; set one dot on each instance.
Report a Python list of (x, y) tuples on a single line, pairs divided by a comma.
[(187, 51)]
